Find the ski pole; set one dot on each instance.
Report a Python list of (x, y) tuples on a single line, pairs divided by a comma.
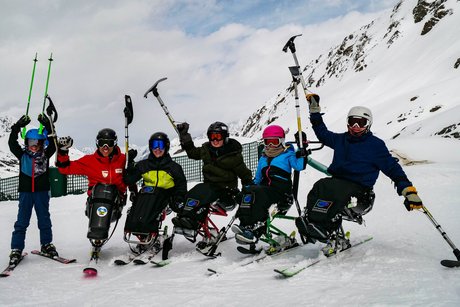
[(129, 114), (222, 234), (295, 186), (52, 116), (23, 134), (291, 46), (456, 251), (40, 130), (154, 91)]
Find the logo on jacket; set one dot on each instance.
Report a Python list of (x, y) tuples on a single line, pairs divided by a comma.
[(322, 206), (105, 174), (101, 211), (118, 170)]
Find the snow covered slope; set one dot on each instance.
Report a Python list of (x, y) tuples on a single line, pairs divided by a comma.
[(404, 66), (399, 267)]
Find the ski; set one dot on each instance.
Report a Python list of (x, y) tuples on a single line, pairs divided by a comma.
[(124, 260), (57, 258), (257, 259), (160, 263), (10, 268), (299, 267), (144, 258), (450, 263)]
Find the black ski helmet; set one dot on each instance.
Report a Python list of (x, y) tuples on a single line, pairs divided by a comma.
[(219, 127), (107, 134), (160, 136)]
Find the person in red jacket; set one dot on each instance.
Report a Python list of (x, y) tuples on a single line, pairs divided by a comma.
[(106, 189)]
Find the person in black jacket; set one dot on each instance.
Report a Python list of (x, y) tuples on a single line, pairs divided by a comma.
[(222, 166), (163, 184), (34, 184)]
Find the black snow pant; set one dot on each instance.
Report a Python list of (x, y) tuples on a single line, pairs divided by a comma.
[(200, 197), (255, 203)]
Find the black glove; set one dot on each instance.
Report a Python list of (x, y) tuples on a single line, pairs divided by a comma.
[(302, 152), (176, 204), (412, 200), (132, 196), (183, 128), (44, 120), (128, 113), (22, 122), (313, 103), (64, 143), (132, 154)]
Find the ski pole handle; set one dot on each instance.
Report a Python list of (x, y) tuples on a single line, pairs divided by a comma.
[(23, 133), (40, 130)]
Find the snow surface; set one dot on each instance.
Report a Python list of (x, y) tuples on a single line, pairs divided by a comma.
[(400, 266)]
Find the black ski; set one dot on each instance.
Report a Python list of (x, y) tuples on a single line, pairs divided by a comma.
[(10, 268), (450, 263), (58, 258)]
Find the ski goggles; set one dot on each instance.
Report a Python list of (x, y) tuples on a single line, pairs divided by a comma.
[(360, 121), (273, 142), (106, 142), (214, 136), (157, 144), (33, 142)]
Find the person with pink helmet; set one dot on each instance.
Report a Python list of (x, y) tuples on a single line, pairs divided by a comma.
[(272, 184)]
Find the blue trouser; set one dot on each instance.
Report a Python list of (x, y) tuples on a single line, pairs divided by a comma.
[(41, 202)]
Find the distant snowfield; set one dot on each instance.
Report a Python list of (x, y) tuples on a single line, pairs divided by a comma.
[(400, 266)]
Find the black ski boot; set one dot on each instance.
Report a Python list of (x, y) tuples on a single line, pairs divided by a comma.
[(50, 250), (15, 256)]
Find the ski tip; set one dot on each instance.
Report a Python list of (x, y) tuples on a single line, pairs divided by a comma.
[(90, 272), (450, 263)]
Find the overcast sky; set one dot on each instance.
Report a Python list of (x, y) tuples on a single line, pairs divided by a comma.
[(223, 59)]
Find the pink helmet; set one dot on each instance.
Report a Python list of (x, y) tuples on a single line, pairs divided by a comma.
[(273, 131)]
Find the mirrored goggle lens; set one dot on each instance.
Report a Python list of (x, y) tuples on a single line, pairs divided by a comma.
[(157, 144), (215, 136), (360, 121), (272, 142), (106, 142), (32, 142)]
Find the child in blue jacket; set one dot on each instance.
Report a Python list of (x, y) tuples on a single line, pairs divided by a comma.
[(34, 185), (272, 185)]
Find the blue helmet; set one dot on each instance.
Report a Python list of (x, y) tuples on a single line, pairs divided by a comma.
[(33, 134)]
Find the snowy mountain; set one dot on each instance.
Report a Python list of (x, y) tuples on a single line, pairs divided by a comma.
[(404, 66)]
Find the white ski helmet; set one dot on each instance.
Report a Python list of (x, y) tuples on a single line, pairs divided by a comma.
[(360, 112)]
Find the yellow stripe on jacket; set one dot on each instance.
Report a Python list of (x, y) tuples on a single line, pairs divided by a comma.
[(160, 179)]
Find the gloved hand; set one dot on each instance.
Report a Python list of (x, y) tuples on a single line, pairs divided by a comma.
[(132, 154), (128, 113), (304, 139), (132, 196), (183, 128), (412, 200), (176, 204), (313, 103), (44, 120), (22, 122), (302, 152), (64, 143)]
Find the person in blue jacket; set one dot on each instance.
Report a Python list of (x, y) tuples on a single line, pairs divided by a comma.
[(272, 185), (358, 158), (34, 184)]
